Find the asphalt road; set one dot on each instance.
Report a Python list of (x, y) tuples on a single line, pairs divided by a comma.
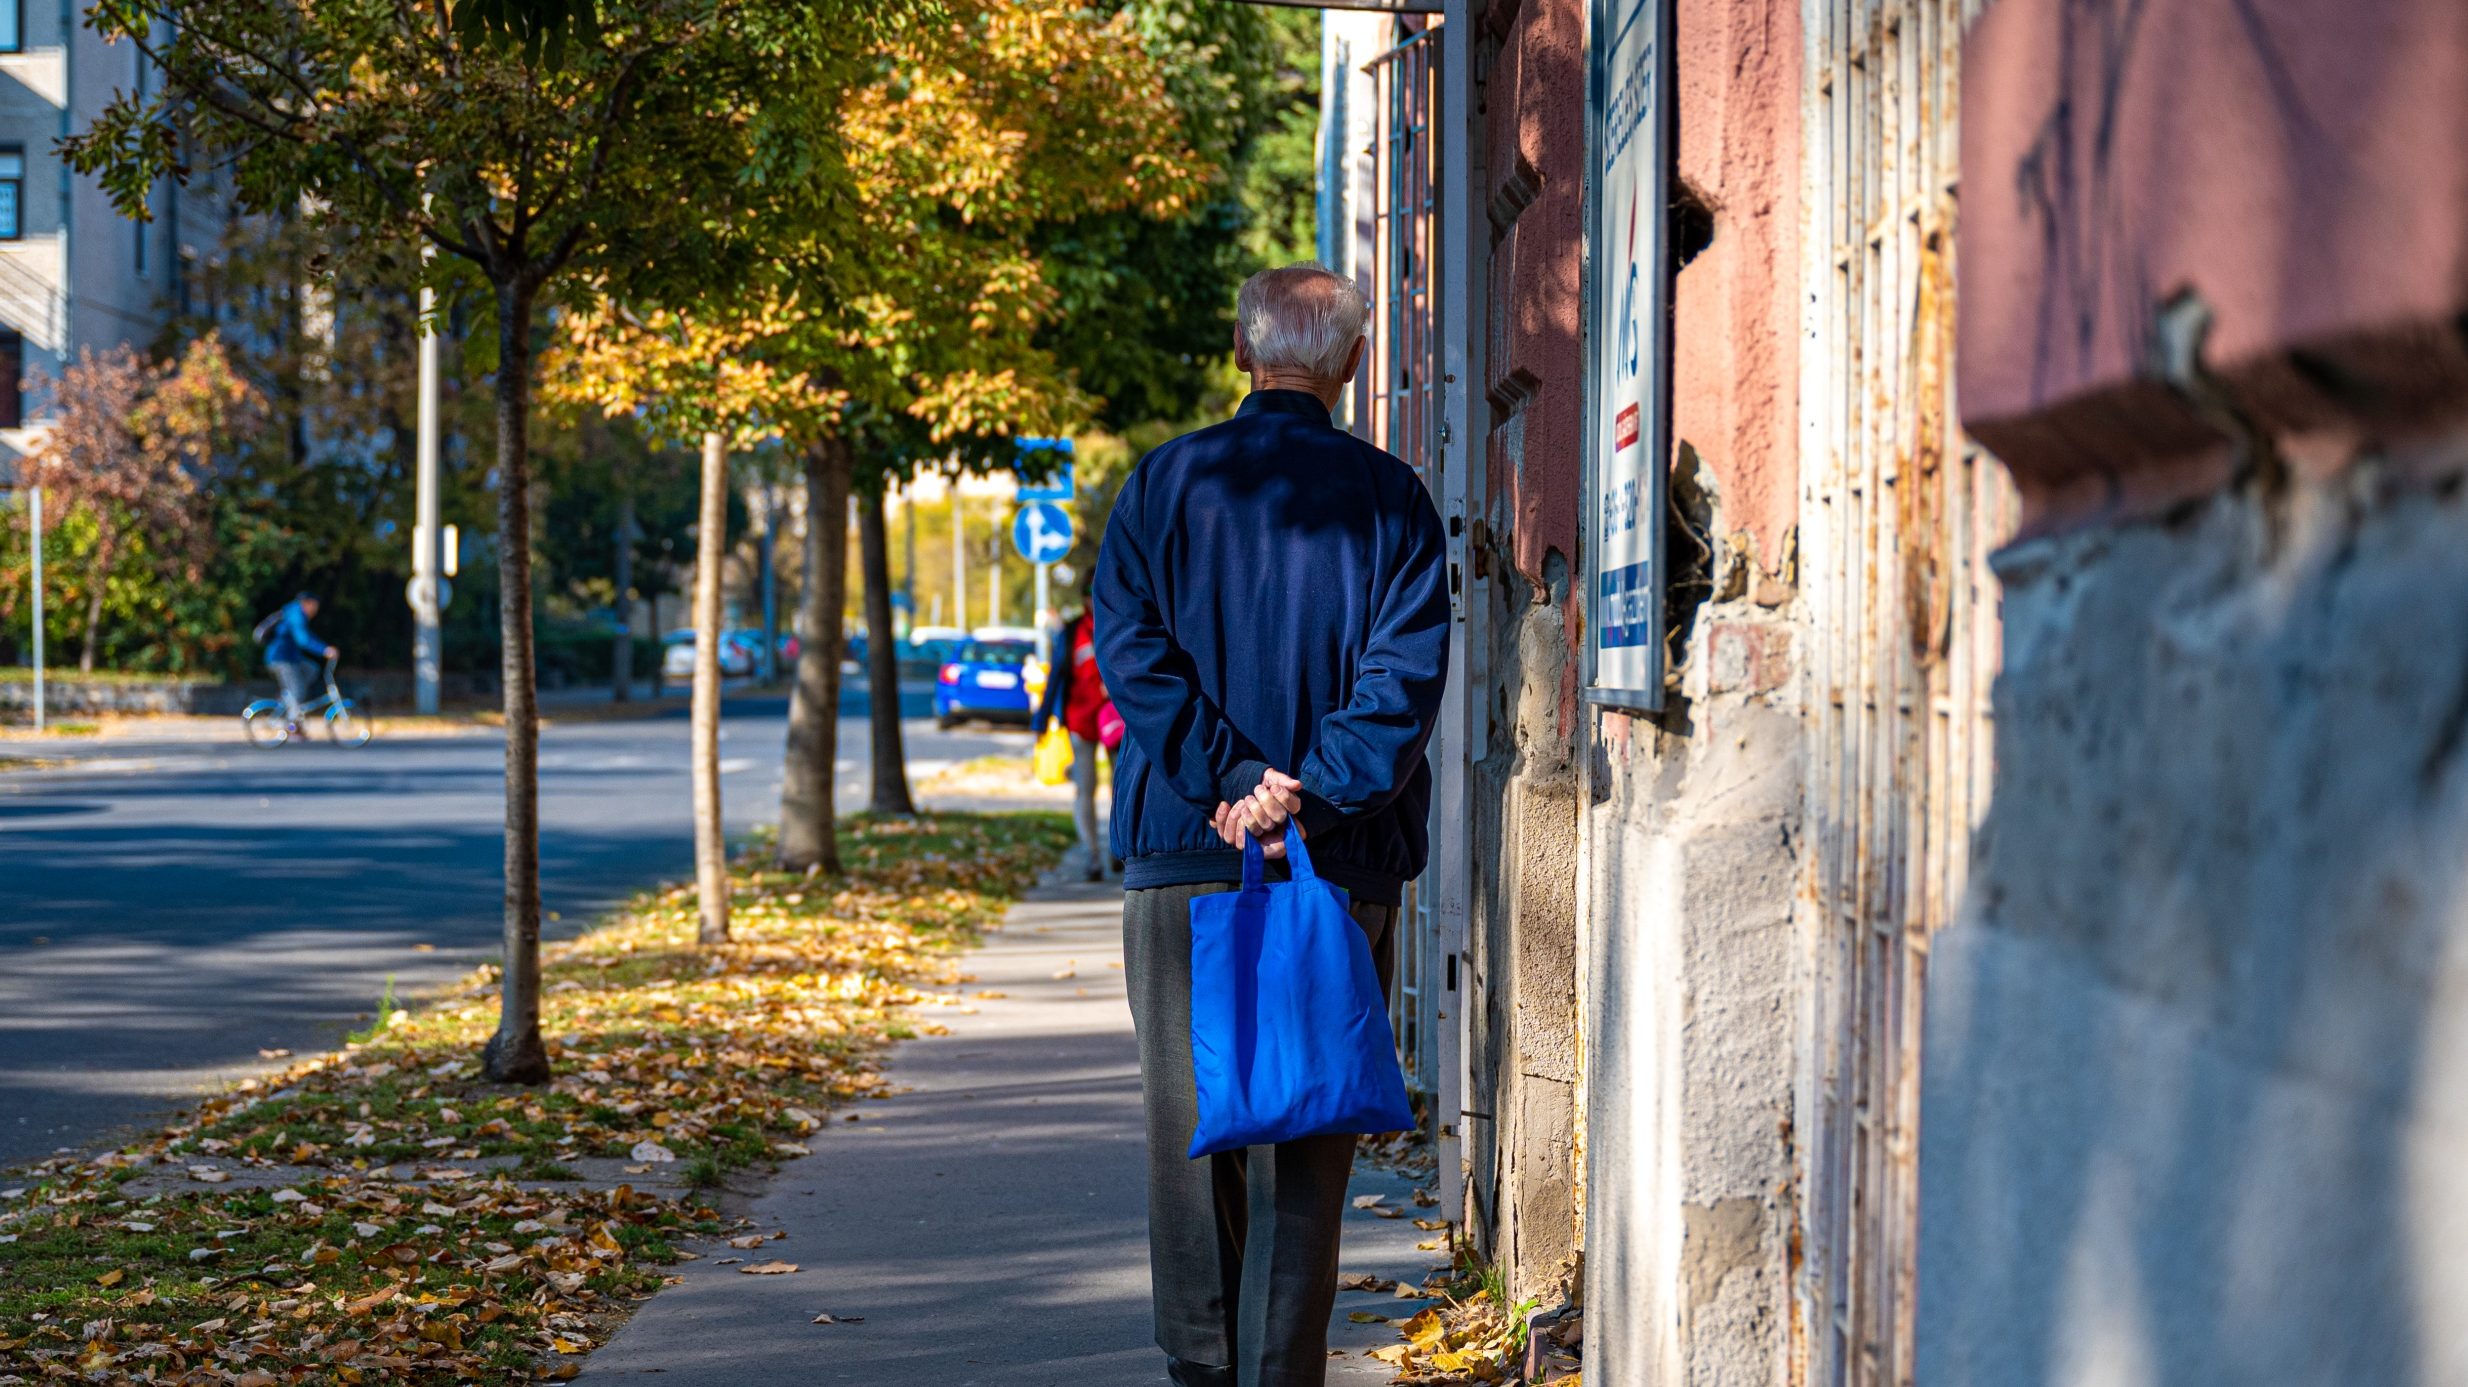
[(168, 909)]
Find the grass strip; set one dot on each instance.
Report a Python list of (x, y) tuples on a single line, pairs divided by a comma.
[(668, 1057)]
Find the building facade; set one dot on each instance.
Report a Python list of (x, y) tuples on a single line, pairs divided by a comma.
[(1949, 815), (74, 273)]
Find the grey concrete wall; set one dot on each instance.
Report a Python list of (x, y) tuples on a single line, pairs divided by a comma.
[(1691, 1014), (2196, 1089), (1523, 1030)]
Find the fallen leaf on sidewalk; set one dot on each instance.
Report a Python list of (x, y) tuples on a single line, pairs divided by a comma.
[(1063, 973), (1385, 1212), (767, 1269), (749, 1240), (652, 1152), (991, 996), (1366, 1317), (1368, 1201), (1364, 1281), (839, 1319)]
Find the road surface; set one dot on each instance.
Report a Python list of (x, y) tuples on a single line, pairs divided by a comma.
[(169, 909)]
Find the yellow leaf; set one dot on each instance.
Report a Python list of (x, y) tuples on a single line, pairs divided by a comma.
[(112, 1277), (773, 1268)]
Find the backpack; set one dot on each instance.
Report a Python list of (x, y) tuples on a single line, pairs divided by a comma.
[(264, 630)]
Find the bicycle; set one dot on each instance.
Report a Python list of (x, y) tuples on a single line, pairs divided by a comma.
[(345, 725)]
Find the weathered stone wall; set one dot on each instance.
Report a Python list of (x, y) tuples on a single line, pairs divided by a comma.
[(1691, 868), (2196, 1103), (1521, 1132)]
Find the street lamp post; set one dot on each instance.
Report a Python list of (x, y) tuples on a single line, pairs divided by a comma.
[(427, 597), (34, 511)]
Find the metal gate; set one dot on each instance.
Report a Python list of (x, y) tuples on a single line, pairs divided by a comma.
[(1898, 513), (1402, 404)]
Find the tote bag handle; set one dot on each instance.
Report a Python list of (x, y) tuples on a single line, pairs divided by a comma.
[(1255, 862)]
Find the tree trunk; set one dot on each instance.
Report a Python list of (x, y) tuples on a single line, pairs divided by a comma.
[(809, 831), (621, 655), (710, 551), (103, 556), (515, 1054), (882, 661)]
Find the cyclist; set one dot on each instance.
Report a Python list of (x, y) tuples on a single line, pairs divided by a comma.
[(292, 652)]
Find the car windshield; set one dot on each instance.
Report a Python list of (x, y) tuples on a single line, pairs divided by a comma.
[(994, 653)]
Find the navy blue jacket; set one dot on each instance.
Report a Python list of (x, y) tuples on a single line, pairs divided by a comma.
[(1273, 591)]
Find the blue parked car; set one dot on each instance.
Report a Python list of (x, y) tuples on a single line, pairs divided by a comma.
[(984, 679)]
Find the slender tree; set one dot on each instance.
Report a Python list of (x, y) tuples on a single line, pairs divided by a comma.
[(710, 841), (809, 840), (625, 154)]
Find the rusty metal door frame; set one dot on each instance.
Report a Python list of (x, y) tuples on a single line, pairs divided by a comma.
[(1410, 393), (1898, 513)]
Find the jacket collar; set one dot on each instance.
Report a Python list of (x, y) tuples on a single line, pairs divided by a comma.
[(1295, 402)]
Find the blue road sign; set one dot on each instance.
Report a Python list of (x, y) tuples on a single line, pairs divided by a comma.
[(1041, 532), (1059, 487)]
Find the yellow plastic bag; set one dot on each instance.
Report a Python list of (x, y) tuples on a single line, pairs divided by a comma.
[(1053, 759)]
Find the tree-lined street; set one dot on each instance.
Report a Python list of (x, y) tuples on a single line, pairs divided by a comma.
[(181, 906)]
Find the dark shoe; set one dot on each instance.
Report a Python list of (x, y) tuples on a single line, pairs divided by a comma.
[(1184, 1374)]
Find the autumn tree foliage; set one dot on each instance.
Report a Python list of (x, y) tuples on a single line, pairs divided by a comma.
[(910, 328), (628, 152), (131, 446)]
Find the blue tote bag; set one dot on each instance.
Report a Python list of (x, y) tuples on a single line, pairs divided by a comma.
[(1289, 1030)]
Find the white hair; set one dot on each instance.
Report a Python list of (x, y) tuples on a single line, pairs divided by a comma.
[(1302, 318)]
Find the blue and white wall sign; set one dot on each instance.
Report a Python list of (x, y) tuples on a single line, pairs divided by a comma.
[(1630, 346)]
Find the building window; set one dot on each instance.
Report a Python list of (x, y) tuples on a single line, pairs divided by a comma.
[(12, 26), (12, 376), (12, 187)]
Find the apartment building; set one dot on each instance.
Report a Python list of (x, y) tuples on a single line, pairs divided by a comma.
[(1947, 837), (75, 273)]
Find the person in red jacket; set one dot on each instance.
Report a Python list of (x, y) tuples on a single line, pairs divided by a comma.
[(1075, 693)]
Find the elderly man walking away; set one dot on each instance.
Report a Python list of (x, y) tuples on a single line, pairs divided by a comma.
[(1272, 622)]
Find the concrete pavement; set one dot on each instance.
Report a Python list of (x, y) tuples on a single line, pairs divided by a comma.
[(987, 1224), (173, 905)]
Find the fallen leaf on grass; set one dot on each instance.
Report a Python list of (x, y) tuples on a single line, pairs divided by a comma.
[(767, 1269), (112, 1277)]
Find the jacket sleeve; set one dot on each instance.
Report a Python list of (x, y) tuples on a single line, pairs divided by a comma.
[(1363, 753), (1057, 693), (1153, 682), (295, 625)]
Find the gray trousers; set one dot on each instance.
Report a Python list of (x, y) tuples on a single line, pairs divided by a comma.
[(1242, 1246)]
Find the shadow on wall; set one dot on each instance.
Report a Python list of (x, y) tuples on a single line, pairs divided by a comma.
[(2196, 1085)]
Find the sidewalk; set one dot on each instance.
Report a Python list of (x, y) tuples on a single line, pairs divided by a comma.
[(988, 1223)]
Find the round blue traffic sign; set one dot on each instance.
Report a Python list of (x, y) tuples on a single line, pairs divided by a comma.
[(1041, 532)]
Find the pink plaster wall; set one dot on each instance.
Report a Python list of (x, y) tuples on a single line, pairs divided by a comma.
[(1535, 147), (2301, 166), (1735, 325)]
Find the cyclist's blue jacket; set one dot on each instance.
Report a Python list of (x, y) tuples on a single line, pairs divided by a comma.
[(1273, 591), (293, 642)]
